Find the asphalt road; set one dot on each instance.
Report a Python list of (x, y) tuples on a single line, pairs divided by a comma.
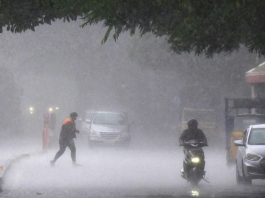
[(136, 171)]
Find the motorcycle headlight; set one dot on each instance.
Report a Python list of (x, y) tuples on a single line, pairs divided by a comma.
[(195, 160), (252, 156)]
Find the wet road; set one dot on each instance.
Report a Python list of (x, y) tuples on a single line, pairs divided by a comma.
[(119, 172)]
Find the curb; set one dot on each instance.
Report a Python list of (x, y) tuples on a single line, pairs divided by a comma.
[(7, 166)]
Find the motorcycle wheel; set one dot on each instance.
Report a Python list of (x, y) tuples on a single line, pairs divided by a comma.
[(194, 178), (194, 183)]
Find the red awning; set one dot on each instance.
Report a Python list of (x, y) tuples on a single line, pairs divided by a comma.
[(256, 75)]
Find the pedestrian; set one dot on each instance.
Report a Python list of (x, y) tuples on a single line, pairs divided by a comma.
[(67, 135)]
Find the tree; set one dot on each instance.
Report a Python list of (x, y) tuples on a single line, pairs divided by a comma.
[(197, 82), (204, 27)]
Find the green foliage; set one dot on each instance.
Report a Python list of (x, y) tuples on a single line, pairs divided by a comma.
[(204, 27), (198, 82)]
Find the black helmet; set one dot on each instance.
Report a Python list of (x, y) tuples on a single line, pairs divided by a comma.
[(73, 115), (193, 123)]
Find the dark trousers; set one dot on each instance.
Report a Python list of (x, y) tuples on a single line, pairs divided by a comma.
[(66, 143)]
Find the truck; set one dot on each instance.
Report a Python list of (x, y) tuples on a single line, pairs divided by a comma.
[(207, 119), (239, 114)]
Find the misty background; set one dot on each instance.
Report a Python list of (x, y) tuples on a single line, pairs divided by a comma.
[(66, 66)]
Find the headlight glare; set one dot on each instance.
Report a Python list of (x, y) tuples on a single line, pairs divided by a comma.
[(195, 159)]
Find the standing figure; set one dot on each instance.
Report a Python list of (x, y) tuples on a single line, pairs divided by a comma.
[(67, 135)]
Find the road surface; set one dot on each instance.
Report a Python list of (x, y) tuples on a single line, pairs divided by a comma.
[(117, 172)]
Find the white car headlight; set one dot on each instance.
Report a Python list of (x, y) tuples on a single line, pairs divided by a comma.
[(93, 132), (252, 156)]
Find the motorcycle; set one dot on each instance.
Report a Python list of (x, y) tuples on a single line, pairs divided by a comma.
[(194, 162)]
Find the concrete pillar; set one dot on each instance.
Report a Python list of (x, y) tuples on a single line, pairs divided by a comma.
[(253, 91)]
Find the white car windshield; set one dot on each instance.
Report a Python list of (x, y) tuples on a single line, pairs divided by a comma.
[(110, 118), (257, 137)]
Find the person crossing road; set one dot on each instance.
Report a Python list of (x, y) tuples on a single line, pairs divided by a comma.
[(67, 135)]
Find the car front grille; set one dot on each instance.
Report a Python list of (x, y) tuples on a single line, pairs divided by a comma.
[(254, 170), (109, 135)]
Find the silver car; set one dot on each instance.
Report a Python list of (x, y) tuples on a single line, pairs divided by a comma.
[(86, 121), (250, 159), (109, 128)]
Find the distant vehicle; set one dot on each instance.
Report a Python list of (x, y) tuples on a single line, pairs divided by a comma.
[(109, 128), (250, 158), (86, 121)]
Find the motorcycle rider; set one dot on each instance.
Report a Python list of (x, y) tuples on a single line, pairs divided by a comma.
[(192, 132)]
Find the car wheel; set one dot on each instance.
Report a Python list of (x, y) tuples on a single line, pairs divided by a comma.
[(245, 180), (239, 179), (90, 144)]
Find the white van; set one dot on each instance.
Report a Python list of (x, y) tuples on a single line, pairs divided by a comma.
[(109, 128)]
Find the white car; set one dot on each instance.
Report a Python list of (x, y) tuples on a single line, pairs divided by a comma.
[(86, 121), (250, 158), (109, 128)]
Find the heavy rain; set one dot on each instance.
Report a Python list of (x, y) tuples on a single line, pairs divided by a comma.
[(64, 66)]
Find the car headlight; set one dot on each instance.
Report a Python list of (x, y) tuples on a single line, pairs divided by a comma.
[(195, 160), (93, 132), (252, 156)]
